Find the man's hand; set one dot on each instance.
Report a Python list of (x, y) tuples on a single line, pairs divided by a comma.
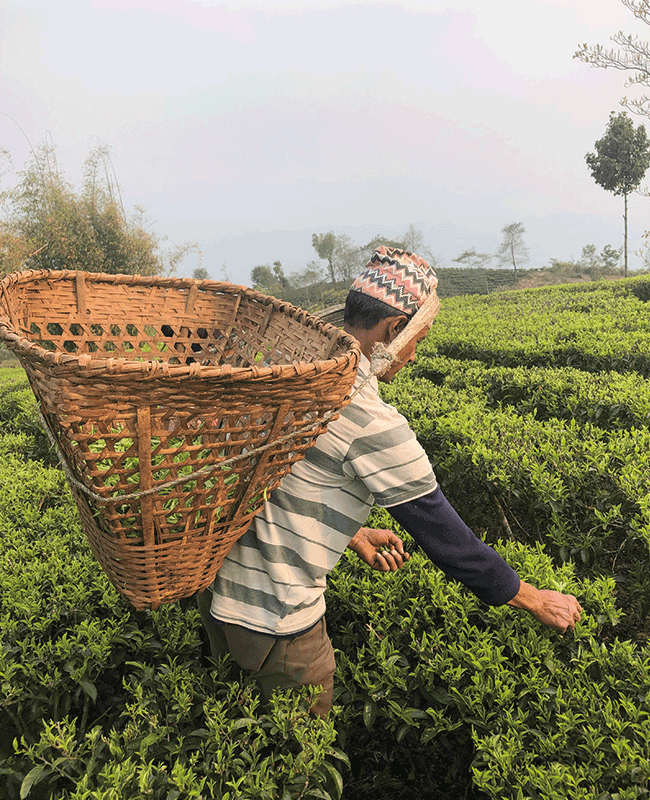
[(557, 610), (379, 548)]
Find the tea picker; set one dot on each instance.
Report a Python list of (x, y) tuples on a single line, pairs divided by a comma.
[(267, 605)]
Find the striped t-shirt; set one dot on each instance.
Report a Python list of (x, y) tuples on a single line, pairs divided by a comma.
[(273, 579)]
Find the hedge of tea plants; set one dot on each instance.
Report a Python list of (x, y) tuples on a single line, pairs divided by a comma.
[(437, 695), (558, 452)]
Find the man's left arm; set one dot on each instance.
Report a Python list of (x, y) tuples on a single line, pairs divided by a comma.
[(461, 555)]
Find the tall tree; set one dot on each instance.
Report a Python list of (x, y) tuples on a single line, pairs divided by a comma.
[(347, 262), (279, 274), (365, 251), (610, 259), (512, 249), (621, 160), (413, 240), (265, 279)]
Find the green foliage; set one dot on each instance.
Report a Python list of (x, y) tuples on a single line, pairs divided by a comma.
[(454, 281), (535, 410), (611, 400), (622, 156), (46, 224), (428, 674), (20, 429), (595, 327), (529, 447)]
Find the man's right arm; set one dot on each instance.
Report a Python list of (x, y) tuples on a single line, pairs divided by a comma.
[(557, 610)]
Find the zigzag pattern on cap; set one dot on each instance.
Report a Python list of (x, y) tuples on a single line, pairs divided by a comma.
[(400, 291), (398, 278)]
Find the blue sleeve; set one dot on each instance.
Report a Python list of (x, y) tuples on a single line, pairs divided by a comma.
[(455, 549)]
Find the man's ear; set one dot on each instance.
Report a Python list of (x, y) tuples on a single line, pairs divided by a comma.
[(395, 326)]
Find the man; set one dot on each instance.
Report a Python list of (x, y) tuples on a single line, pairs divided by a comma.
[(266, 606)]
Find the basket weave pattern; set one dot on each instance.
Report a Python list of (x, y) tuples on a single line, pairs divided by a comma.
[(143, 381)]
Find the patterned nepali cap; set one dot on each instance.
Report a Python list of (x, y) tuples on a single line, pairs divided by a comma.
[(398, 278)]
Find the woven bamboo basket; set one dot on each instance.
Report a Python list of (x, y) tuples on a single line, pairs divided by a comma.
[(176, 406)]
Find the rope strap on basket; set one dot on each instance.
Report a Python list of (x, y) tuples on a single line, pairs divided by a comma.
[(380, 362)]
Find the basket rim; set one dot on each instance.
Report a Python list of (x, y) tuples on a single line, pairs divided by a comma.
[(116, 367)]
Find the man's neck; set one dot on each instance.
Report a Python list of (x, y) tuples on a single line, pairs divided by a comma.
[(367, 339)]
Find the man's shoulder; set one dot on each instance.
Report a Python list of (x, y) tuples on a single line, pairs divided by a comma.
[(368, 409)]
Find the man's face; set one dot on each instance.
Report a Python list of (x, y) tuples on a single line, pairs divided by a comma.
[(408, 358)]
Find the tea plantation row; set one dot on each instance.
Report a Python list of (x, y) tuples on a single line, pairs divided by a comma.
[(560, 455), (437, 695)]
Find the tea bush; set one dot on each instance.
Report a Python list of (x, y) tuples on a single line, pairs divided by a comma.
[(436, 695), (594, 327)]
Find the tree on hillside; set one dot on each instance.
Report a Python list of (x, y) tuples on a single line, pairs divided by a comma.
[(346, 259), (621, 160), (413, 240), (610, 259), (341, 254), (264, 280), (591, 263), (324, 244), (307, 284), (279, 274), (598, 264), (46, 224), (365, 251), (589, 258), (512, 249), (270, 279), (310, 275), (632, 56), (470, 258), (200, 274)]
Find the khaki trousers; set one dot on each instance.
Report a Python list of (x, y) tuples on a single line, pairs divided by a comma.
[(306, 659)]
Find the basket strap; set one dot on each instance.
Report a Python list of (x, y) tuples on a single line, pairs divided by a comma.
[(421, 321), (299, 430)]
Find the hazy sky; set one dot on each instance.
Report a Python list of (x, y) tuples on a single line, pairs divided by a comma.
[(246, 126)]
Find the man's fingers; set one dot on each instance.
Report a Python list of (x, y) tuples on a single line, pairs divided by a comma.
[(386, 561), (573, 612), (391, 559), (397, 544)]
